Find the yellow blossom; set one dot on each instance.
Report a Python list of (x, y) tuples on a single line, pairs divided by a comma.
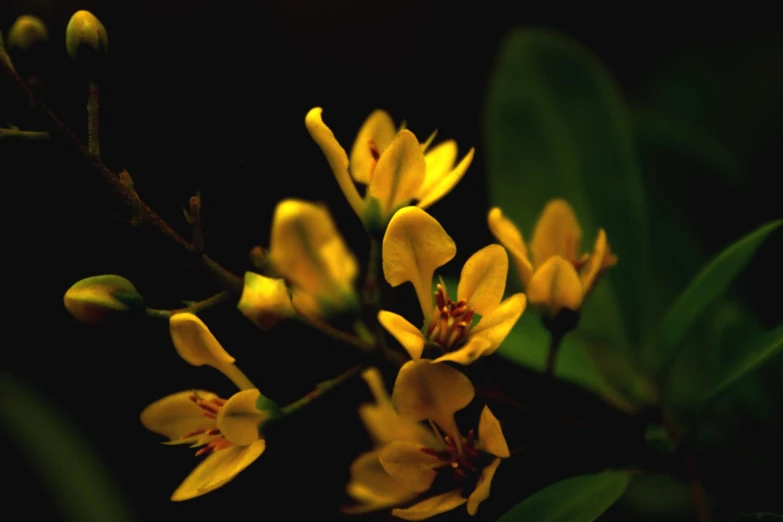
[(227, 431), (265, 300), (392, 164), (310, 254), (554, 273), (414, 245)]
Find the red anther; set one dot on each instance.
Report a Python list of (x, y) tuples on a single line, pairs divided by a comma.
[(218, 401), (193, 398), (471, 438), (192, 434), (440, 298), (209, 415), (214, 431), (208, 407), (376, 154), (204, 450), (459, 310)]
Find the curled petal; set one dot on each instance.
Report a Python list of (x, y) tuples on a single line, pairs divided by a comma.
[(399, 173), (378, 130), (373, 488), (509, 235), (264, 300), (601, 259), (406, 334), (496, 326), (483, 279), (218, 469), (431, 506), (557, 233), (239, 419), (490, 435), (406, 462), (414, 245), (425, 391), (481, 493), (176, 415), (440, 160), (555, 286), (443, 186), (469, 352)]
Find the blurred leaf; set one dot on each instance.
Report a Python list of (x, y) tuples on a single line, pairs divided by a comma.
[(578, 499), (556, 126), (78, 482), (706, 287), (657, 496)]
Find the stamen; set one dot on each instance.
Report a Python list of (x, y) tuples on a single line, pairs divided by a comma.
[(214, 431), (209, 415), (192, 434), (208, 407), (376, 154)]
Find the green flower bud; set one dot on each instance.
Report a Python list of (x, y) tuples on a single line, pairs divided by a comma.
[(94, 299), (27, 33), (86, 39)]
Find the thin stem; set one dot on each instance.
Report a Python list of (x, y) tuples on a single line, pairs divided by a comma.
[(194, 308), (551, 355), (371, 290), (21, 134), (93, 117), (321, 389), (699, 504)]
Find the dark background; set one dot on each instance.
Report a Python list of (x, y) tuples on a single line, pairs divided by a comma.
[(212, 97)]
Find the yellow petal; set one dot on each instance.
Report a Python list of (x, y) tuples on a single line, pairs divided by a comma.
[(406, 334), (197, 346), (555, 286), (557, 233), (377, 386), (425, 391), (496, 325), (379, 129), (601, 259), (444, 185), (372, 487), (469, 352), (440, 160), (490, 435), (238, 419), (335, 156), (431, 506), (509, 235), (414, 245), (176, 415), (399, 173), (264, 300), (483, 279), (218, 469), (481, 493), (409, 465), (308, 251)]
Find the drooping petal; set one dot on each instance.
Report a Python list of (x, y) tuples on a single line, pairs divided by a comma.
[(217, 469), (335, 156), (377, 129), (176, 415), (469, 352), (481, 493), (483, 279), (238, 419), (372, 487), (444, 185), (409, 465), (265, 300), (414, 245), (425, 391), (496, 325), (307, 250), (399, 173), (440, 160), (557, 233), (509, 235), (406, 334), (490, 435), (431, 506), (556, 285)]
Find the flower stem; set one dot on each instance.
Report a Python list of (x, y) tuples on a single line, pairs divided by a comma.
[(21, 134), (321, 389), (194, 308), (551, 356), (699, 504)]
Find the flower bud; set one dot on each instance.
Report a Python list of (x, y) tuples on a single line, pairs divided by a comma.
[(86, 39), (27, 33), (94, 299), (265, 301)]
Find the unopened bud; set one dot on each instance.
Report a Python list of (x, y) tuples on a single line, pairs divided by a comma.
[(86, 39), (265, 301), (27, 33), (94, 299)]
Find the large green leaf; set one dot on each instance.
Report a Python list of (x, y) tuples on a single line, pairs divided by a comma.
[(79, 484), (556, 126), (578, 499), (706, 287)]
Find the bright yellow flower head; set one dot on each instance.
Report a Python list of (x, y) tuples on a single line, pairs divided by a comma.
[(307, 250), (555, 274), (392, 164), (224, 430), (414, 245), (265, 300)]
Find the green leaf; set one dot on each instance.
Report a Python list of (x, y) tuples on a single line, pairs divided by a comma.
[(80, 485), (706, 287), (578, 499), (556, 126), (750, 357)]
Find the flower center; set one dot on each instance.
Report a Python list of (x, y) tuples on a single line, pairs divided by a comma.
[(376, 154), (462, 468), (210, 439), (451, 322)]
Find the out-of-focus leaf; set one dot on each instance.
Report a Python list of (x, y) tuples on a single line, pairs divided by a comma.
[(556, 126), (656, 497), (706, 287), (82, 488), (578, 499)]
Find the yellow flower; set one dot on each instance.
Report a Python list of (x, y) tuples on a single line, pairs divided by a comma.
[(264, 300), (224, 430), (555, 274), (393, 165), (308, 252), (414, 245)]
